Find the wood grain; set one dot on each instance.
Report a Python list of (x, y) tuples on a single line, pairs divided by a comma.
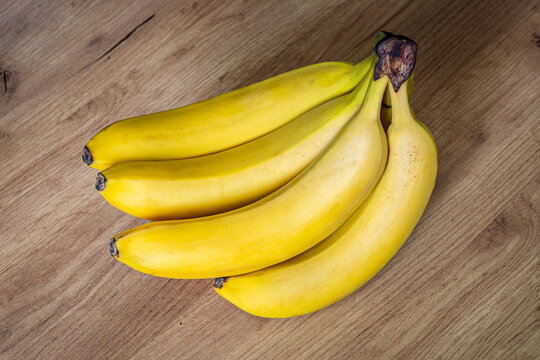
[(465, 285)]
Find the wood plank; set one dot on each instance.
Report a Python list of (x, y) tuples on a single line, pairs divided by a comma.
[(465, 285)]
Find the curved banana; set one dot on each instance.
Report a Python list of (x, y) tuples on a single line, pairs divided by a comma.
[(361, 247), (276, 228), (187, 188), (224, 121)]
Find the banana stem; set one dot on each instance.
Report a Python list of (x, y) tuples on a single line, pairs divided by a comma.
[(402, 111), (364, 67), (397, 58), (360, 92), (400, 99), (372, 105)]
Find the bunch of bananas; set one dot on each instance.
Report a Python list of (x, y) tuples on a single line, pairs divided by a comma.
[(289, 192)]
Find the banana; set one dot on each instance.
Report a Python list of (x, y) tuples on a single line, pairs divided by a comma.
[(352, 255), (186, 188), (277, 227), (224, 121)]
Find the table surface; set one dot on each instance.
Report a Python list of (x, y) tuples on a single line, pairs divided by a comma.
[(465, 285)]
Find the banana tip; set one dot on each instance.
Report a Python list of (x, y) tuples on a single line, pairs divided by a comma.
[(101, 182), (112, 247), (87, 156), (218, 282)]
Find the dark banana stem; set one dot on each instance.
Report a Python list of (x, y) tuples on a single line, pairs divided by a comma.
[(397, 58)]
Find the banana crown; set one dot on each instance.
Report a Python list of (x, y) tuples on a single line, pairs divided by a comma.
[(397, 58)]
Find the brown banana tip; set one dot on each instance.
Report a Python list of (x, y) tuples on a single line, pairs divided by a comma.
[(112, 247), (87, 156), (397, 58), (101, 182), (218, 282)]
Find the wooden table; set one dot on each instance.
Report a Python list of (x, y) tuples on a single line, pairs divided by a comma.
[(464, 286)]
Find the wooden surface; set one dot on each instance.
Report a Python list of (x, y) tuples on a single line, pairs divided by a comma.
[(465, 285)]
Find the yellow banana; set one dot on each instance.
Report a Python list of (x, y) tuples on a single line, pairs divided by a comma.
[(277, 227), (363, 245), (186, 188), (224, 121), (360, 248)]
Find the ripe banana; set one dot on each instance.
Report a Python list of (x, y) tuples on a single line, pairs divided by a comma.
[(186, 188), (361, 247), (224, 121), (277, 227)]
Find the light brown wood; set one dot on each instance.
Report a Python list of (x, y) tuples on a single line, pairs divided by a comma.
[(464, 286)]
